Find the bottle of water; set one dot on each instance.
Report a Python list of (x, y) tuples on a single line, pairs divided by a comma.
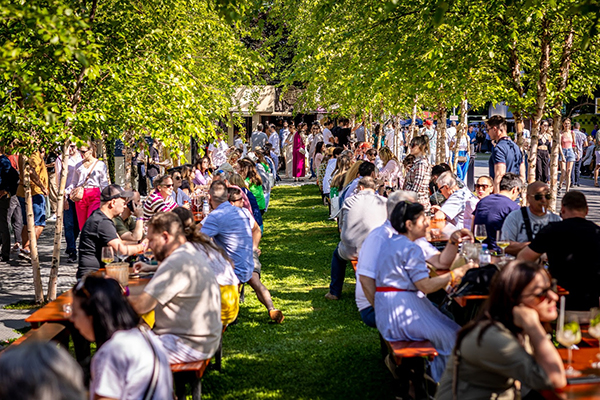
[(485, 256), (205, 208)]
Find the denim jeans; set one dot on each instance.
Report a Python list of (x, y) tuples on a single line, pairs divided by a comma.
[(71, 228), (338, 273), (576, 172), (368, 316)]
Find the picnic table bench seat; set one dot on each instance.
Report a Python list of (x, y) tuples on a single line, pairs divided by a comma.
[(191, 373), (44, 333)]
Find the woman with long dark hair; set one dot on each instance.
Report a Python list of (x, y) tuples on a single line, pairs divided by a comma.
[(202, 175), (249, 173), (494, 350), (418, 176), (402, 312), (128, 358)]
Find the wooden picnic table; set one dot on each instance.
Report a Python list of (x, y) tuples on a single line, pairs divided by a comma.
[(55, 311), (582, 361)]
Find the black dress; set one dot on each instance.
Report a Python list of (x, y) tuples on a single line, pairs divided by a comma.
[(542, 171)]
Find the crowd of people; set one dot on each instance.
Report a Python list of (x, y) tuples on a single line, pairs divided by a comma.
[(201, 226)]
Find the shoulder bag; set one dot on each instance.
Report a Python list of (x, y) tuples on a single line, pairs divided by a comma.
[(77, 193), (149, 393)]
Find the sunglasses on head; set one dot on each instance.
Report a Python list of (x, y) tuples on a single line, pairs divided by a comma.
[(539, 196)]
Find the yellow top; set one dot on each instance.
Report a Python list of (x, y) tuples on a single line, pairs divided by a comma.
[(39, 166)]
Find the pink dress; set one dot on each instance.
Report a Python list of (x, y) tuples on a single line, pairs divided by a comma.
[(299, 159)]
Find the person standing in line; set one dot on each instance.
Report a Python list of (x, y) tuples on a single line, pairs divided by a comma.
[(418, 176), (154, 163), (299, 154), (258, 138), (141, 159), (288, 147), (317, 137), (542, 171), (217, 152), (567, 140), (70, 223), (431, 134), (506, 155), (15, 217), (38, 176), (579, 145), (9, 181), (327, 134), (92, 176)]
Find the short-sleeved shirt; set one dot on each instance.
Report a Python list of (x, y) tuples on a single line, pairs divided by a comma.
[(219, 152), (506, 152), (572, 248), (258, 139), (179, 197), (230, 227), (155, 204), (122, 367), (153, 169), (405, 264), (39, 166), (189, 300), (491, 211), (459, 208), (368, 259), (514, 226), (343, 136), (97, 232), (124, 225), (490, 365)]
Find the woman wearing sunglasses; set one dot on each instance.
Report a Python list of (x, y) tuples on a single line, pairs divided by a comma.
[(89, 179), (129, 362), (161, 199), (507, 341)]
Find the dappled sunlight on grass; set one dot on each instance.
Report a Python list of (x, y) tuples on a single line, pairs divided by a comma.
[(322, 350)]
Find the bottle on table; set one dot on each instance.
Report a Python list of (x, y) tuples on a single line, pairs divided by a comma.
[(485, 257), (205, 208)]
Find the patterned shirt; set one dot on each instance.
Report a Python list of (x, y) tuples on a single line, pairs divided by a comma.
[(417, 180), (156, 204)]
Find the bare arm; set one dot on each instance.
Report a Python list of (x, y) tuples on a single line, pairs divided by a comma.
[(515, 247), (368, 285), (143, 303), (127, 250), (499, 171), (430, 285), (256, 235), (137, 234), (528, 255)]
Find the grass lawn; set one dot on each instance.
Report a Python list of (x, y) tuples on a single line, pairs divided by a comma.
[(322, 350)]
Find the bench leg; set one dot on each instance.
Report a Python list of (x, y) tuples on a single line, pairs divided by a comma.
[(197, 389), (180, 380), (219, 356)]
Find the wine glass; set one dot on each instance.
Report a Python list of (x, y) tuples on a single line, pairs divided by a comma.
[(594, 330), (502, 241), (568, 335), (107, 255), (480, 232)]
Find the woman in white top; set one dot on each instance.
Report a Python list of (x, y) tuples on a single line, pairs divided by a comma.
[(391, 167), (90, 174), (127, 357)]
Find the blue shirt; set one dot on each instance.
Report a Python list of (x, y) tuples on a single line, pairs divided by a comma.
[(507, 152), (230, 227), (491, 211)]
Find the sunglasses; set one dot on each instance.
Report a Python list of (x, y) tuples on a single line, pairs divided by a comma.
[(177, 178), (167, 186), (543, 295), (84, 150), (478, 186), (539, 196)]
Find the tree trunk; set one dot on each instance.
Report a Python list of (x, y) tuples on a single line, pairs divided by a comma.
[(462, 129), (397, 140), (370, 130), (441, 134), (565, 65), (52, 281), (35, 261), (542, 95), (519, 128)]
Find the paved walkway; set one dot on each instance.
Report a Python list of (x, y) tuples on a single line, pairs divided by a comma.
[(16, 281)]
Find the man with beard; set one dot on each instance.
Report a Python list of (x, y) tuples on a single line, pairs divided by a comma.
[(184, 293)]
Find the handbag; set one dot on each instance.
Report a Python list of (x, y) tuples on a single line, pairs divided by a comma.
[(476, 281), (334, 202), (149, 393), (77, 193)]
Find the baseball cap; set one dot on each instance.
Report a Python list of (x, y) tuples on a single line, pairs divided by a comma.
[(114, 192)]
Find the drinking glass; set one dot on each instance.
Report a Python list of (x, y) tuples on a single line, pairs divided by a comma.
[(568, 335), (108, 255), (594, 330), (502, 241), (470, 252), (480, 233)]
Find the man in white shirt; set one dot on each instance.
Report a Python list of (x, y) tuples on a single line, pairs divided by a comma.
[(329, 170), (460, 203), (218, 152), (327, 135), (274, 140), (70, 216), (283, 134), (258, 138)]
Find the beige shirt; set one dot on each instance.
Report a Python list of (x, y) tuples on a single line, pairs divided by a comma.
[(189, 300), (488, 369)]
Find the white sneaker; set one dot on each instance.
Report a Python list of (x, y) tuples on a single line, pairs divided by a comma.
[(52, 218)]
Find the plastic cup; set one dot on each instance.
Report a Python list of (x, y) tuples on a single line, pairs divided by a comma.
[(118, 271)]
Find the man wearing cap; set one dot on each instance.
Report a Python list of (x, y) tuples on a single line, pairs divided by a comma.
[(99, 231)]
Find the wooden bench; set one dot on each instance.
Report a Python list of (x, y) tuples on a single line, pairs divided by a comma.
[(189, 373), (409, 359), (44, 333)]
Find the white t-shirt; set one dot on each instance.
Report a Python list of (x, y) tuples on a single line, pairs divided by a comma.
[(368, 259), (514, 226), (220, 266), (459, 208), (219, 152), (428, 249), (328, 175), (122, 367), (327, 136), (274, 140)]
